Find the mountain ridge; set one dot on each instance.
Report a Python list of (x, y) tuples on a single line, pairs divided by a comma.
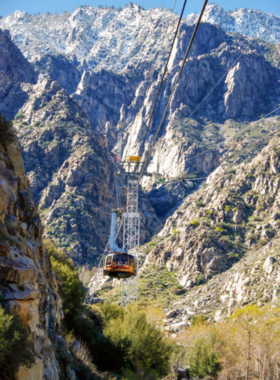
[(115, 38)]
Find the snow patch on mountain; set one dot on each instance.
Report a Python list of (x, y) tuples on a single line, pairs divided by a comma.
[(248, 22), (116, 38)]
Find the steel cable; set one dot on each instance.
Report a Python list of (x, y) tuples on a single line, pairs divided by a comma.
[(174, 89), (162, 79)]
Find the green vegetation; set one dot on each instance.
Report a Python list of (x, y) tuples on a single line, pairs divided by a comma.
[(200, 204), (6, 133), (198, 320), (227, 208), (73, 291), (219, 229), (251, 335), (154, 283), (200, 279), (19, 116), (194, 223), (160, 284), (143, 347), (15, 348), (113, 338), (203, 359)]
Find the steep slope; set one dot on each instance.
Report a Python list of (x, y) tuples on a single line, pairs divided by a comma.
[(229, 226), (223, 80), (68, 168), (28, 286), (14, 72), (248, 22)]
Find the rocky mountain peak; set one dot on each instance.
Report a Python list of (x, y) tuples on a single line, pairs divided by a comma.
[(249, 22)]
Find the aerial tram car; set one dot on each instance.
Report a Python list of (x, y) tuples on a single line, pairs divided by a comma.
[(119, 264)]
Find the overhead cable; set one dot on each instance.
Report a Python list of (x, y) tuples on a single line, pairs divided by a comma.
[(173, 91), (162, 79)]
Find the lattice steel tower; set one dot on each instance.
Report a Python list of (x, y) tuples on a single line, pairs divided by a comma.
[(129, 222), (131, 232)]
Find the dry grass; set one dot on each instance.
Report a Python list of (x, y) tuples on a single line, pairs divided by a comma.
[(81, 351)]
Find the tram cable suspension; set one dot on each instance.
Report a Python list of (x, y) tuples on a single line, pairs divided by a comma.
[(213, 88), (141, 149), (98, 275), (160, 51), (173, 91)]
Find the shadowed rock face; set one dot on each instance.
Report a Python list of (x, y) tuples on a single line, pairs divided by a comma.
[(32, 290), (60, 69), (14, 72)]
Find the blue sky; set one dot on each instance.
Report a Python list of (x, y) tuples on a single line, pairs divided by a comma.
[(42, 6)]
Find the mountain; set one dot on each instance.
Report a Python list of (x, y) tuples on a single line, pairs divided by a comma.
[(99, 67), (225, 238), (248, 22), (68, 163), (116, 38), (103, 37)]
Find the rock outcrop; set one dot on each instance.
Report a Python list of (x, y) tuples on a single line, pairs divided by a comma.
[(225, 238), (28, 287)]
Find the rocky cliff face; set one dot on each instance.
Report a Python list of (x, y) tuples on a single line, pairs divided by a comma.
[(225, 238), (28, 286), (14, 72), (222, 80), (68, 169)]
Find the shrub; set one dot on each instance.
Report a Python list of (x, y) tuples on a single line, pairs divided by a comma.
[(200, 204), (15, 348), (73, 292), (194, 223), (111, 311), (198, 320), (143, 347), (200, 279), (203, 360), (6, 133), (227, 208), (221, 230)]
